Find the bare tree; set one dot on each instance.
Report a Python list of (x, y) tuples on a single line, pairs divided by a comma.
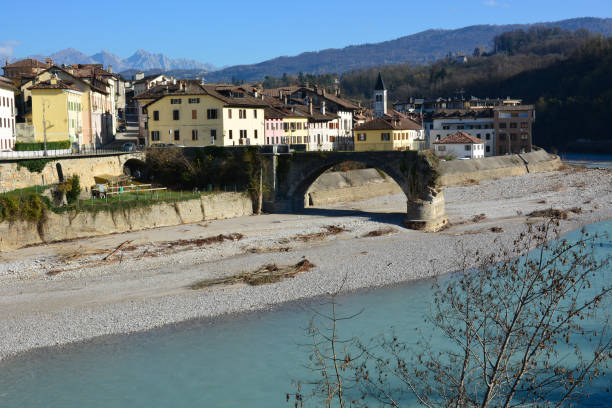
[(510, 330)]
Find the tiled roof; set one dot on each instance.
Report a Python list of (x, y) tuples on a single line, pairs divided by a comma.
[(387, 122), (59, 84), (271, 113), (27, 63), (459, 138), (194, 87), (6, 82), (463, 113), (316, 116)]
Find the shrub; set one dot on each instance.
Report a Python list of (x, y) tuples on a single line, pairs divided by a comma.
[(9, 208), (29, 207), (34, 165), (73, 189), (32, 208), (23, 147)]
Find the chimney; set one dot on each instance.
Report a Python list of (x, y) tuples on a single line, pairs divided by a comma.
[(338, 92), (49, 61), (310, 110), (280, 94), (323, 92), (110, 69), (323, 108)]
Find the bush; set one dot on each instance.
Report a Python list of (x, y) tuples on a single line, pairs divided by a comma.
[(35, 165), (29, 207), (28, 147), (73, 189)]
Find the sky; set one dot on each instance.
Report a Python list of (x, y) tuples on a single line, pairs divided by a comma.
[(244, 32)]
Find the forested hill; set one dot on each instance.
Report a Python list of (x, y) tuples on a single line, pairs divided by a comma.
[(423, 47)]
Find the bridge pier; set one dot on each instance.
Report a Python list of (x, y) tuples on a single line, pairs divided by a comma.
[(428, 214)]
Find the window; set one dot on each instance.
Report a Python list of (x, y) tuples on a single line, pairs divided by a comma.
[(175, 101), (243, 134), (155, 115), (441, 148), (175, 114), (379, 98), (468, 147), (361, 137), (194, 114), (524, 136), (502, 136), (155, 135), (212, 114), (241, 113), (177, 135), (488, 149), (513, 125), (488, 136), (194, 134), (194, 100), (255, 133), (460, 127), (446, 127), (229, 114), (524, 125), (502, 125), (255, 113), (513, 136), (385, 136)]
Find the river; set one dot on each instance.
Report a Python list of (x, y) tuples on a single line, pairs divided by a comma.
[(239, 360)]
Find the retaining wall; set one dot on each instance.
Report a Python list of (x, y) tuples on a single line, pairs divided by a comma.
[(458, 172), (59, 227), (13, 177)]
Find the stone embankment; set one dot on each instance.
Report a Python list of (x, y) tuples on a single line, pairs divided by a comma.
[(460, 172), (60, 227)]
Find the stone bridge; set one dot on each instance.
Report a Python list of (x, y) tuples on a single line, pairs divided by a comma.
[(289, 176)]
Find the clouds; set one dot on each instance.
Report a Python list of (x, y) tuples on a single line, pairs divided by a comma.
[(495, 3), (7, 47)]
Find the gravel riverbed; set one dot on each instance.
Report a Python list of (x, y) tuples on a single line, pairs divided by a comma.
[(65, 292)]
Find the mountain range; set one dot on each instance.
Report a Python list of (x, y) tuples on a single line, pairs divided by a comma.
[(141, 60), (418, 48)]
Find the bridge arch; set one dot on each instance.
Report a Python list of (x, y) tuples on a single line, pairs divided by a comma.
[(134, 167), (415, 173)]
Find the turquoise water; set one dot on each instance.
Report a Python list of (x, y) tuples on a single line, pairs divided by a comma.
[(588, 160), (245, 360)]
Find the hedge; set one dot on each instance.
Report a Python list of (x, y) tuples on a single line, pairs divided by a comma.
[(29, 147)]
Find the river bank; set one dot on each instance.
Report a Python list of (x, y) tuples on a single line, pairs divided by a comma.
[(65, 292)]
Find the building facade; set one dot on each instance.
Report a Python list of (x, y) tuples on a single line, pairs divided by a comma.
[(459, 145), (479, 123), (7, 114), (388, 133), (513, 127), (197, 115)]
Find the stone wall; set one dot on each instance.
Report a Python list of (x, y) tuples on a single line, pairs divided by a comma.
[(59, 227), (459, 172), (13, 177)]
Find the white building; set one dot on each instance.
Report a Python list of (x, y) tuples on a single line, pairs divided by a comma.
[(460, 145), (478, 123), (7, 114)]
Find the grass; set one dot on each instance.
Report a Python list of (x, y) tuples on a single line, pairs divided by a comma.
[(126, 201)]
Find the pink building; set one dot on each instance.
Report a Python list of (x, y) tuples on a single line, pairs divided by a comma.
[(273, 126)]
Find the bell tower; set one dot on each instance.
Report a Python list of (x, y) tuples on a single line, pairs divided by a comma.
[(380, 97)]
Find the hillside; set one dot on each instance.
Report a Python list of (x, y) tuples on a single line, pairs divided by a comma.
[(423, 47)]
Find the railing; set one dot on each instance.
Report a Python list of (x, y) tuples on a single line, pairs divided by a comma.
[(83, 151)]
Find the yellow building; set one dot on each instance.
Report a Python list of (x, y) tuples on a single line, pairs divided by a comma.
[(295, 127), (57, 111), (94, 104), (191, 114), (396, 132)]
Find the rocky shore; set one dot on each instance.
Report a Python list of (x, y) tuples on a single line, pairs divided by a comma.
[(71, 291)]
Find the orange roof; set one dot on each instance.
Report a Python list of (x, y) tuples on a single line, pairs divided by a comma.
[(459, 138)]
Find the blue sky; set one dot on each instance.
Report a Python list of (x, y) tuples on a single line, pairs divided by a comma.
[(238, 32)]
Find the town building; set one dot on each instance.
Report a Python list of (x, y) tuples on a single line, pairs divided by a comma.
[(96, 108), (142, 83), (273, 132), (389, 129), (478, 123), (513, 127), (25, 68), (57, 111), (7, 114), (397, 132), (459, 145), (192, 114)]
